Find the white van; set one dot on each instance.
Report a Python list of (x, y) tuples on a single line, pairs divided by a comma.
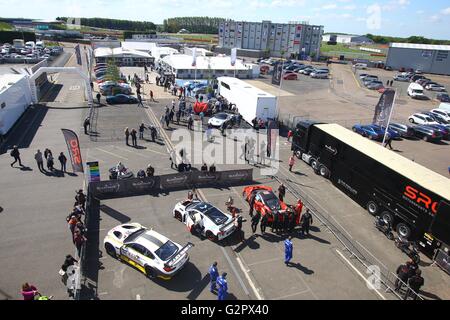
[(415, 91), (40, 45), (445, 106), (362, 66)]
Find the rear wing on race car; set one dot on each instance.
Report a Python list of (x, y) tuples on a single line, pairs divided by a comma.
[(179, 254), (227, 224)]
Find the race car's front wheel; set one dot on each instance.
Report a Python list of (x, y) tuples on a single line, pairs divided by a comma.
[(150, 272), (110, 250), (211, 236)]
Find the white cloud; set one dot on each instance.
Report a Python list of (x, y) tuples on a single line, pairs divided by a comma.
[(277, 3), (446, 11), (395, 4)]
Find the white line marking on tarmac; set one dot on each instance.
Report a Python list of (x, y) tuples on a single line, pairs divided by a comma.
[(291, 295), (263, 262), (131, 151), (361, 275), (255, 290), (112, 154)]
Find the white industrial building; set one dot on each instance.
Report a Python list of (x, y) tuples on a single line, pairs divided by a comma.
[(159, 53), (15, 97), (182, 67), (139, 46), (347, 39), (123, 57), (199, 52)]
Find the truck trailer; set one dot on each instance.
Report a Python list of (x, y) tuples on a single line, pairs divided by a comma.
[(251, 102), (414, 200)]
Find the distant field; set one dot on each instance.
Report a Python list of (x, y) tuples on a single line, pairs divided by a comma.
[(351, 52), (5, 26), (205, 38)]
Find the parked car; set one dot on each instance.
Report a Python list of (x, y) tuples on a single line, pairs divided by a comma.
[(444, 130), (427, 133), (146, 250), (218, 119), (416, 77), (369, 77), (363, 75), (419, 118), (443, 97), (215, 224), (290, 76), (362, 66), (443, 113), (319, 74), (375, 85), (368, 131), (436, 117), (392, 133), (435, 87), (404, 130), (307, 71), (401, 77), (415, 91), (121, 99)]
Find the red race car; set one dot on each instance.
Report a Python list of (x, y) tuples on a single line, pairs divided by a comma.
[(266, 202)]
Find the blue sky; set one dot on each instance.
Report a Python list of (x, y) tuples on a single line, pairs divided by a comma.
[(387, 17)]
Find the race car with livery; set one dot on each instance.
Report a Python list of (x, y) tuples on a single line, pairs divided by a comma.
[(146, 250), (205, 219)]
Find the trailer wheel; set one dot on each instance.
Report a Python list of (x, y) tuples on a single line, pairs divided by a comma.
[(314, 164), (372, 207), (388, 218), (324, 172), (404, 230)]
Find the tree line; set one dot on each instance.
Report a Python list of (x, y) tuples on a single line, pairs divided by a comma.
[(412, 39), (206, 25), (115, 24)]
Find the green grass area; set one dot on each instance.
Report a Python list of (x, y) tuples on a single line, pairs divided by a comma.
[(349, 52), (5, 26), (206, 38)]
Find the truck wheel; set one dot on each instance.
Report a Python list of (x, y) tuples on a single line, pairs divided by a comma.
[(324, 172), (110, 250), (150, 272), (372, 207), (404, 230), (388, 218), (314, 164), (298, 154)]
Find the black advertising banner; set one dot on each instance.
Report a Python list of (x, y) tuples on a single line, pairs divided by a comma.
[(235, 176), (74, 149), (277, 72), (175, 181), (383, 108), (199, 178), (124, 188)]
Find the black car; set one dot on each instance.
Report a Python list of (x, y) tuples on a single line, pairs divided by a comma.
[(404, 130), (439, 119), (416, 77), (428, 134), (443, 97)]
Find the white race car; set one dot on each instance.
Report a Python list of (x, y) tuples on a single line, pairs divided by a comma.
[(148, 251), (205, 219), (217, 120)]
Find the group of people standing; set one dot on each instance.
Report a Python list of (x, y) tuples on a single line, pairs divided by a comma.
[(75, 223), (40, 157)]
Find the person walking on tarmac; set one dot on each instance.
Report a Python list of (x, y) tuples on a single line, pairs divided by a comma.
[(127, 136), (414, 285), (288, 250), (291, 162), (281, 192), (223, 287), (252, 204), (255, 221), (213, 275), (141, 131), (86, 124), (16, 155), (298, 211), (99, 97), (263, 224), (306, 221), (402, 276), (276, 222)]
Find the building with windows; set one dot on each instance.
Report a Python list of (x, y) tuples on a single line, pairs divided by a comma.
[(123, 57), (181, 66), (294, 39), (428, 58), (346, 39)]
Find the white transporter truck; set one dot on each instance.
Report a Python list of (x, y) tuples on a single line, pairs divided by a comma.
[(251, 102)]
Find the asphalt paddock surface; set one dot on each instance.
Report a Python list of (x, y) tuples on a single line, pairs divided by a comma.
[(34, 236)]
